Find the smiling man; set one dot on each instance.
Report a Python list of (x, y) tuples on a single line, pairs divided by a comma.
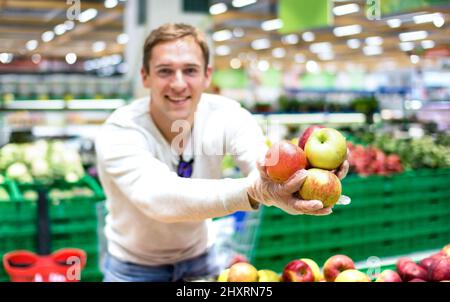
[(159, 162)]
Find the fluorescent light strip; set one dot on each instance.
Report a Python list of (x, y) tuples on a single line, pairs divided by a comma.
[(394, 23), (374, 41), (218, 8), (427, 44), (413, 35), (427, 18), (406, 46), (261, 44), (88, 15), (222, 35), (272, 24), (322, 47), (242, 3), (346, 9), (372, 50), (290, 39), (347, 30)]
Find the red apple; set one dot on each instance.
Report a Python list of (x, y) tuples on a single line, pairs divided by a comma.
[(352, 275), (314, 267), (306, 134), (388, 276), (426, 263), (326, 149), (297, 271), (321, 185), (283, 159), (238, 258), (417, 280), (242, 272), (439, 270), (335, 265), (410, 270)]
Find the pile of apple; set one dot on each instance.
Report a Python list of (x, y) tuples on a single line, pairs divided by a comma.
[(320, 150), (341, 268), (370, 160)]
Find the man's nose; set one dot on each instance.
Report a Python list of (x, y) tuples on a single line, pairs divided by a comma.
[(178, 82)]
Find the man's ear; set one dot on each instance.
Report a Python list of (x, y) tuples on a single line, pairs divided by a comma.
[(208, 76), (145, 78)]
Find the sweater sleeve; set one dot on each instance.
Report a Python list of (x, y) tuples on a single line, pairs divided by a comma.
[(124, 159)]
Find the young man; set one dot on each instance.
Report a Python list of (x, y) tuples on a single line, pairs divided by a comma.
[(159, 161)]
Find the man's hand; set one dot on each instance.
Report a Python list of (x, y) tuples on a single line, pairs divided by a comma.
[(281, 195), (342, 170)]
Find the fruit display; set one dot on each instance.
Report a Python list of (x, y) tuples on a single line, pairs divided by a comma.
[(41, 161), (341, 268), (370, 160)]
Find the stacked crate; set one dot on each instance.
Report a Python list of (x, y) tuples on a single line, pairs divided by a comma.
[(388, 216)]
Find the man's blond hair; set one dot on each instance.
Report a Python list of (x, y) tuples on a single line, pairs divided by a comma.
[(170, 32)]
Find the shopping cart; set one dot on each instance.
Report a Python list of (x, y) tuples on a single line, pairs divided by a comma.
[(64, 265)]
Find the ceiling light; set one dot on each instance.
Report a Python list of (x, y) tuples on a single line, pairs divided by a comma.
[(32, 45), (278, 52), (439, 21), (347, 30), (69, 25), (290, 39), (48, 36), (312, 66), (88, 15), (346, 9), (394, 23), (413, 35), (308, 36), (427, 44), (98, 46), (60, 29), (374, 41), (6, 57), (325, 56), (353, 43), (217, 8), (122, 38), (111, 3), (71, 58), (235, 63), (406, 46), (222, 35), (272, 24), (223, 50), (426, 18), (260, 44), (372, 50), (414, 59), (263, 65), (242, 3), (321, 47)]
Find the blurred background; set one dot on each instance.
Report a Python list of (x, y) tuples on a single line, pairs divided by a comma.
[(379, 71)]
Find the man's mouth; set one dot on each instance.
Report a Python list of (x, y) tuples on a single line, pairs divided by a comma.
[(178, 99)]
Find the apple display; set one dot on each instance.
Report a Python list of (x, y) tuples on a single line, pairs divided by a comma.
[(297, 271), (321, 185), (266, 275), (315, 268), (409, 270), (352, 275), (439, 270), (326, 149), (306, 134), (242, 272), (388, 276), (283, 159), (335, 265)]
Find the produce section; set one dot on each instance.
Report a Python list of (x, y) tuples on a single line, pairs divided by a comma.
[(357, 117)]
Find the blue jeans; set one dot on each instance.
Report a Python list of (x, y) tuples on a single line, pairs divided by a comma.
[(204, 265)]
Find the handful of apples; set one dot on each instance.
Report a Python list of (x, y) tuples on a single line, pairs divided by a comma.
[(320, 150)]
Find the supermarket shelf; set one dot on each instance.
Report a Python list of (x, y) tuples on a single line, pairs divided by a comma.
[(311, 118), (85, 104)]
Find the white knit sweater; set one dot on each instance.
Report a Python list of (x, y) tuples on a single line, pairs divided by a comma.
[(154, 216)]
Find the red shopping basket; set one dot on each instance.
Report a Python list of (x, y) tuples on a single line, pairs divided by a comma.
[(64, 265)]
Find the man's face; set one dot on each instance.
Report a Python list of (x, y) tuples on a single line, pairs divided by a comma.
[(176, 79)]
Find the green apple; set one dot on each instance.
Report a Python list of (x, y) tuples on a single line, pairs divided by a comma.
[(321, 185), (326, 149), (223, 277), (267, 275)]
